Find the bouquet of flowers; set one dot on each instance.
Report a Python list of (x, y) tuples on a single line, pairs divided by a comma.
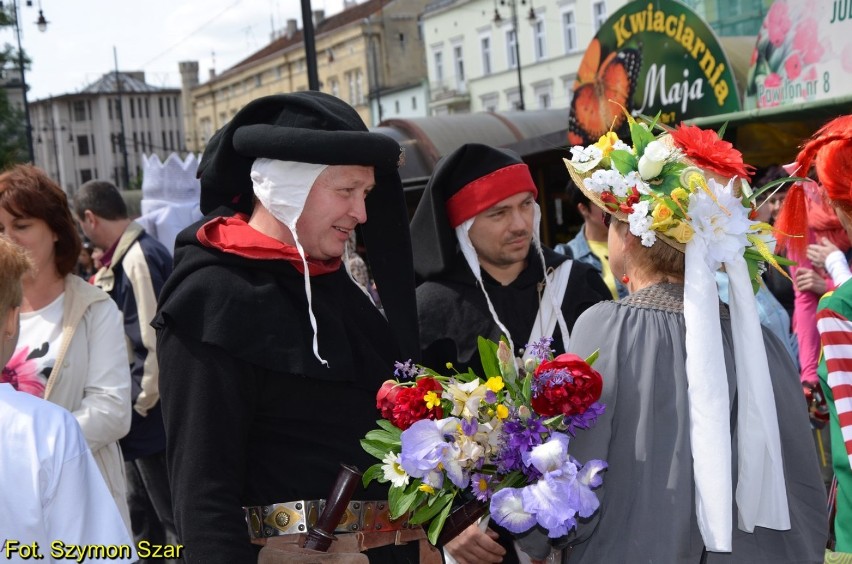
[(501, 439)]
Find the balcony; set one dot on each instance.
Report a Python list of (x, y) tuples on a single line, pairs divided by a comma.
[(450, 95)]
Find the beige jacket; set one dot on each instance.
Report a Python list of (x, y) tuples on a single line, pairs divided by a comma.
[(91, 379)]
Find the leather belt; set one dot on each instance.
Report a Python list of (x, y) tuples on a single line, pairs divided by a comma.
[(296, 517)]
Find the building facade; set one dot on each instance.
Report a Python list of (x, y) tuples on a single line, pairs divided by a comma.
[(102, 131), (363, 52), (512, 54)]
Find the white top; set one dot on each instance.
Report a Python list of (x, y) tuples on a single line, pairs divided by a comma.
[(837, 268), (54, 492), (38, 346)]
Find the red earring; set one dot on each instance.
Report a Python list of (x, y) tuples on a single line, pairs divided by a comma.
[(625, 279)]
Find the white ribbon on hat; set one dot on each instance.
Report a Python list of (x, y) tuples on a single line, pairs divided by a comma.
[(761, 492), (282, 188)]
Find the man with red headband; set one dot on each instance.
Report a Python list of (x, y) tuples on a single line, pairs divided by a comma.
[(484, 272)]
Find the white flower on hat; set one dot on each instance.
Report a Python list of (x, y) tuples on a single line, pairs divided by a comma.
[(652, 160), (584, 159), (722, 224), (641, 221)]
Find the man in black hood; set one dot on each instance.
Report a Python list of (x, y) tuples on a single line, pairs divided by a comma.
[(475, 236), (270, 354)]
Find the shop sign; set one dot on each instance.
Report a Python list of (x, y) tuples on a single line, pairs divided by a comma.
[(650, 57)]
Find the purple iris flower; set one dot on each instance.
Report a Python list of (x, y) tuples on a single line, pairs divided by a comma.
[(427, 444), (585, 420), (470, 426), (490, 397), (553, 501)]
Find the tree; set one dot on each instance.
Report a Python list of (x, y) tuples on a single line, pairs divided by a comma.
[(13, 133)]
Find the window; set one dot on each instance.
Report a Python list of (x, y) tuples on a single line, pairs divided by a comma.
[(135, 143), (80, 111), (439, 65), (539, 45), (599, 14), (350, 78), (396, 106), (160, 100), (85, 175), (359, 87), (569, 31), (511, 53), (543, 94), (458, 63), (485, 48), (171, 140), (82, 145), (109, 107), (164, 146), (169, 107), (490, 102), (132, 109), (258, 80), (147, 114), (334, 86), (414, 102)]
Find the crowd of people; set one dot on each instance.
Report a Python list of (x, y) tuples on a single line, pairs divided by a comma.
[(220, 357)]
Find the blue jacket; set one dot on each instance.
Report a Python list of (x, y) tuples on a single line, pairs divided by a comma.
[(578, 249), (139, 267)]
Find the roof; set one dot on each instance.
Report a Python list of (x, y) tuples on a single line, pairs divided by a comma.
[(130, 82), (437, 136), (354, 14)]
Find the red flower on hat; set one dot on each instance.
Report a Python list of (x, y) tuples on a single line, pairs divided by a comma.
[(704, 148), (566, 385), (405, 405)]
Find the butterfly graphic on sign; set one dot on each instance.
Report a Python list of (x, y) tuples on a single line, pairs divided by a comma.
[(601, 91)]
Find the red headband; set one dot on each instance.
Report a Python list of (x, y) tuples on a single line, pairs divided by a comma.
[(482, 193)]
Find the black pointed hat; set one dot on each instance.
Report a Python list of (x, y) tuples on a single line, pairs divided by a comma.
[(466, 182)]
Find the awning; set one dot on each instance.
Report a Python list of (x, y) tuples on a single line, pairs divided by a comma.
[(820, 110)]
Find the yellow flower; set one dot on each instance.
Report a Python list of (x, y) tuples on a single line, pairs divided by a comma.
[(663, 217), (680, 232), (432, 400), (680, 195), (606, 142), (426, 488), (495, 384), (502, 411), (449, 366)]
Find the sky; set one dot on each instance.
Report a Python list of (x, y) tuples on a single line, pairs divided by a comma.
[(84, 37)]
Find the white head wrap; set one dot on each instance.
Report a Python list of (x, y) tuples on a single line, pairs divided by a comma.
[(282, 188)]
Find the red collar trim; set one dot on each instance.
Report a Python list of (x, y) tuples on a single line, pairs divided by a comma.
[(482, 193), (235, 236)]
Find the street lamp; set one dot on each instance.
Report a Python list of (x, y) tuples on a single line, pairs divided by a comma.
[(513, 4), (42, 26)]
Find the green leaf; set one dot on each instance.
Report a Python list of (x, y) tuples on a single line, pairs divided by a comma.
[(671, 177), (374, 472), (779, 182), (488, 356), (375, 448), (640, 137), (401, 499), (389, 427), (624, 161), (438, 523), (590, 360), (527, 389), (435, 505), (382, 436), (721, 132)]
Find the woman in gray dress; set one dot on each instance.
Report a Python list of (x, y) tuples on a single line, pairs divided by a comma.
[(706, 430)]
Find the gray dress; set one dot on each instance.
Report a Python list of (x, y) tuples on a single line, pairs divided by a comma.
[(647, 511)]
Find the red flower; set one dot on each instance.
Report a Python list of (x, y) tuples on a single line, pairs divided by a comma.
[(566, 385), (793, 66), (707, 151), (404, 405)]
